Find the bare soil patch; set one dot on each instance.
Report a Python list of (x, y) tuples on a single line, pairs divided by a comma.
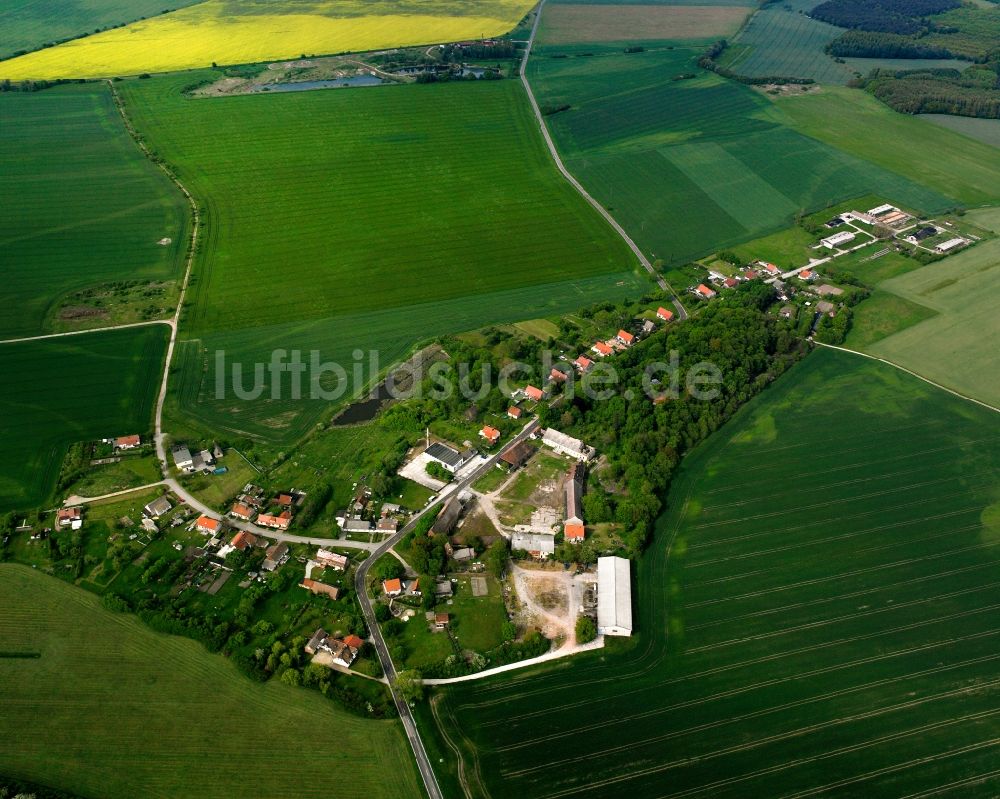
[(564, 24)]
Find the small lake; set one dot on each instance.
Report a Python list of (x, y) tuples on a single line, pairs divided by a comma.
[(307, 85)]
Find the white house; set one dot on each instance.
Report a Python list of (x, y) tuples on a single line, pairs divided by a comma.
[(567, 445)]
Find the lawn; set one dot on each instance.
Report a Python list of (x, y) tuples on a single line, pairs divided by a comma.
[(857, 123), (881, 315), (393, 215), (27, 24), (956, 347), (78, 388), (129, 472), (82, 207), (816, 616), (117, 710), (685, 160), (237, 32)]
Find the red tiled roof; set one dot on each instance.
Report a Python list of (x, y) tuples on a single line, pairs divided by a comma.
[(207, 523), (664, 314), (128, 441), (533, 393), (353, 641), (602, 348), (574, 532), (239, 509), (625, 336), (392, 586), (514, 412), (583, 362), (555, 374), (242, 540), (490, 433)]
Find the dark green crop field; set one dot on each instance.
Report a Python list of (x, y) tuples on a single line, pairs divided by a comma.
[(75, 388), (817, 616), (82, 205), (689, 162), (366, 219), (110, 708), (27, 24)]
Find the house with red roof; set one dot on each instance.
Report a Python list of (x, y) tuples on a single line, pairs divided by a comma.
[(705, 292), (243, 541), (513, 412), (573, 532), (241, 510), (392, 587), (127, 442), (321, 589), (491, 434), (66, 516), (533, 393), (583, 363), (279, 522), (664, 314), (730, 282), (807, 274), (207, 525), (771, 269), (557, 375), (602, 349), (625, 338)]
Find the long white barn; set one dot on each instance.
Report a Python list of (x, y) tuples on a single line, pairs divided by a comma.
[(614, 596)]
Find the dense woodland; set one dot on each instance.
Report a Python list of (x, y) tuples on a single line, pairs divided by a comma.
[(972, 93), (886, 16), (869, 44)]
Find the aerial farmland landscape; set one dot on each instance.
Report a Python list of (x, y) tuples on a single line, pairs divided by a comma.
[(469, 400)]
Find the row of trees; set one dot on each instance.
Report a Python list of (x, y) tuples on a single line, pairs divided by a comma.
[(871, 44)]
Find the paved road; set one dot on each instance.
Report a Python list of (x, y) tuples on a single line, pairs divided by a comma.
[(681, 311), (410, 727)]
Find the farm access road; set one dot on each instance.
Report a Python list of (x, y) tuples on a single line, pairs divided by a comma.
[(375, 632), (681, 310)]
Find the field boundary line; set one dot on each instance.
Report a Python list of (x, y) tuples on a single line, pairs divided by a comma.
[(106, 329), (917, 375), (681, 310)]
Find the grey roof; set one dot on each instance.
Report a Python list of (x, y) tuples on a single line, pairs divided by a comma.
[(614, 594), (181, 455), (446, 519), (445, 454), (574, 492), (158, 506), (534, 542), (357, 526)]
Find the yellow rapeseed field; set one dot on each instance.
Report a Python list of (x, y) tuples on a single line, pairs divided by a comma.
[(244, 31)]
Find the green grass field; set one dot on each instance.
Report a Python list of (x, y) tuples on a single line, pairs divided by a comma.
[(955, 347), (687, 165), (983, 130), (816, 616), (116, 710), (26, 24), (856, 123), (781, 41), (70, 389), (369, 219), (83, 206)]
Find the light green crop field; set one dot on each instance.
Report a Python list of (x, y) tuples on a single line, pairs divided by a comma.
[(82, 205), (817, 616), (857, 123), (368, 219), (688, 166), (26, 24), (76, 388), (983, 130), (116, 710), (957, 346), (782, 41)]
